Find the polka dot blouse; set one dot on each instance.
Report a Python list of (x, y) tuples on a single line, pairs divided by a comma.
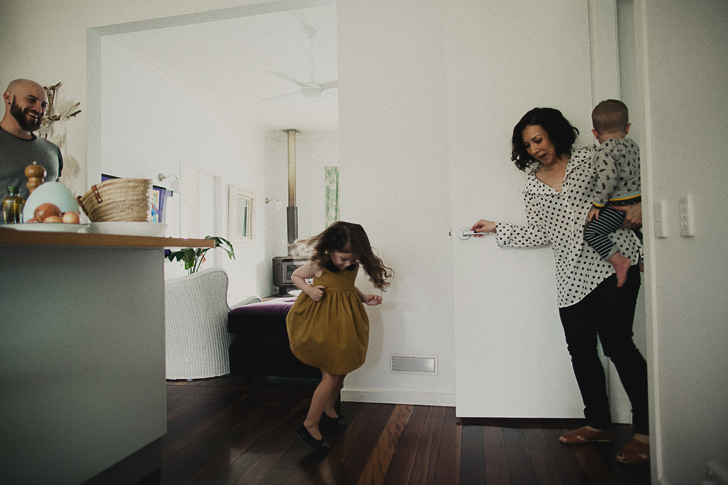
[(558, 218)]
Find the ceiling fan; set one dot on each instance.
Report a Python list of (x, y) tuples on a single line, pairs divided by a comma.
[(311, 89)]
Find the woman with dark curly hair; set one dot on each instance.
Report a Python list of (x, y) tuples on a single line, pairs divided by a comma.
[(592, 308)]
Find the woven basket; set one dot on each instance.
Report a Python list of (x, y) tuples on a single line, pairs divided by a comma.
[(118, 200)]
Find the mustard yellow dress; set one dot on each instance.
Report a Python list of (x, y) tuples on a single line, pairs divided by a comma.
[(331, 334)]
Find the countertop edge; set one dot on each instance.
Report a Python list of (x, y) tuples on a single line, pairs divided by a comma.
[(10, 237)]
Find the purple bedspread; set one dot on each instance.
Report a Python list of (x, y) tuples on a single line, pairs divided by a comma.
[(276, 306)]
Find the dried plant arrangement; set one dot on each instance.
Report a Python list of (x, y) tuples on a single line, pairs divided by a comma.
[(52, 117)]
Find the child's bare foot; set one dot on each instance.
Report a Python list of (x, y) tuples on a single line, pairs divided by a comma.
[(621, 267)]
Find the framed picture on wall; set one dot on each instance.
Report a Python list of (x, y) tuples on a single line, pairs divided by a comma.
[(241, 208)]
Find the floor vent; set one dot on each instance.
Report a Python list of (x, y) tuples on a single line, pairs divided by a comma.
[(414, 364)]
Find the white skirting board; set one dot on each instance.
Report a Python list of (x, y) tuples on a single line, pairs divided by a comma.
[(399, 397)]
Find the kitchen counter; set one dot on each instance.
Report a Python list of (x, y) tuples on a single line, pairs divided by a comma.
[(82, 343), (43, 238)]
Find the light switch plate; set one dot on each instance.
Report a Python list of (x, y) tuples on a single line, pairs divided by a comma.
[(686, 213), (660, 218)]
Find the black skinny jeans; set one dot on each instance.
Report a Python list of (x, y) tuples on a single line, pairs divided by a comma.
[(607, 313)]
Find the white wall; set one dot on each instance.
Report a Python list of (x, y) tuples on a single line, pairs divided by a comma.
[(683, 61), (394, 181), (152, 123)]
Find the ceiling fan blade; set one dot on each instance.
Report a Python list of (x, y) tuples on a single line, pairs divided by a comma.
[(288, 78), (330, 85), (281, 96)]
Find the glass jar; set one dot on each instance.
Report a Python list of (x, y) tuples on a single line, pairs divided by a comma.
[(13, 205)]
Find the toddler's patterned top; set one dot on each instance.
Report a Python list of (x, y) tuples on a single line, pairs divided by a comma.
[(558, 218), (617, 161)]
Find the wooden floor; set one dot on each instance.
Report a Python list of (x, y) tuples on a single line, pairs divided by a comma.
[(228, 430)]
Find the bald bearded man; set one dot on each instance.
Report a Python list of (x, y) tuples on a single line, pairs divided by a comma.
[(25, 106)]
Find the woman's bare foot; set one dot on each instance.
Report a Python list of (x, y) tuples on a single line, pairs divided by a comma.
[(636, 451), (586, 434), (621, 267)]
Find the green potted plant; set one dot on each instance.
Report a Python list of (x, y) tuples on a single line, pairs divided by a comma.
[(193, 258)]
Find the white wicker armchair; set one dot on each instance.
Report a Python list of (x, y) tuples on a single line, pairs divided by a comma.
[(196, 314)]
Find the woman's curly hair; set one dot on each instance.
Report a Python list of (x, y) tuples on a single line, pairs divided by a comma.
[(561, 133), (341, 236)]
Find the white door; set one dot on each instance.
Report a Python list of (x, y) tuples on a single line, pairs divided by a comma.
[(511, 358)]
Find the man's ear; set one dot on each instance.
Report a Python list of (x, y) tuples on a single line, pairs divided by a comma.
[(594, 132), (626, 129)]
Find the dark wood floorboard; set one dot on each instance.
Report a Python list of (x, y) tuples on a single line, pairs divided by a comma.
[(231, 430)]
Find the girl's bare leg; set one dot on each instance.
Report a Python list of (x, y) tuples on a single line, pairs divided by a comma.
[(330, 385), (330, 408)]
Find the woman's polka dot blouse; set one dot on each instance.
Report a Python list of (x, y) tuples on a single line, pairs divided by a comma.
[(558, 218)]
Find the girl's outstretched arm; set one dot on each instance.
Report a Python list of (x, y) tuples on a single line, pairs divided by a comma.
[(308, 270), (371, 300)]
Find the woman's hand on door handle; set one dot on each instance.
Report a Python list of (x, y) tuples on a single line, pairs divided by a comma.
[(483, 226)]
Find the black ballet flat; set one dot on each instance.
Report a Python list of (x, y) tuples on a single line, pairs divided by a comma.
[(336, 423), (318, 445)]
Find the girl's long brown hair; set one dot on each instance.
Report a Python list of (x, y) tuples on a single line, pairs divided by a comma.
[(345, 235)]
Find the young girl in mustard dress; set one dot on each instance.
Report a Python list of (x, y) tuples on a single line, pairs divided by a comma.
[(327, 326)]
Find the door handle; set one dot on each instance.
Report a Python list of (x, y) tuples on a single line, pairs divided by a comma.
[(465, 233)]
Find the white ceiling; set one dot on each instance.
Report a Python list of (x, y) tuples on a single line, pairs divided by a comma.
[(230, 61)]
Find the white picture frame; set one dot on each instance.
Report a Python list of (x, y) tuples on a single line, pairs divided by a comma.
[(241, 212)]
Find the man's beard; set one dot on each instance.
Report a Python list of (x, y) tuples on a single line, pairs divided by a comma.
[(26, 122)]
